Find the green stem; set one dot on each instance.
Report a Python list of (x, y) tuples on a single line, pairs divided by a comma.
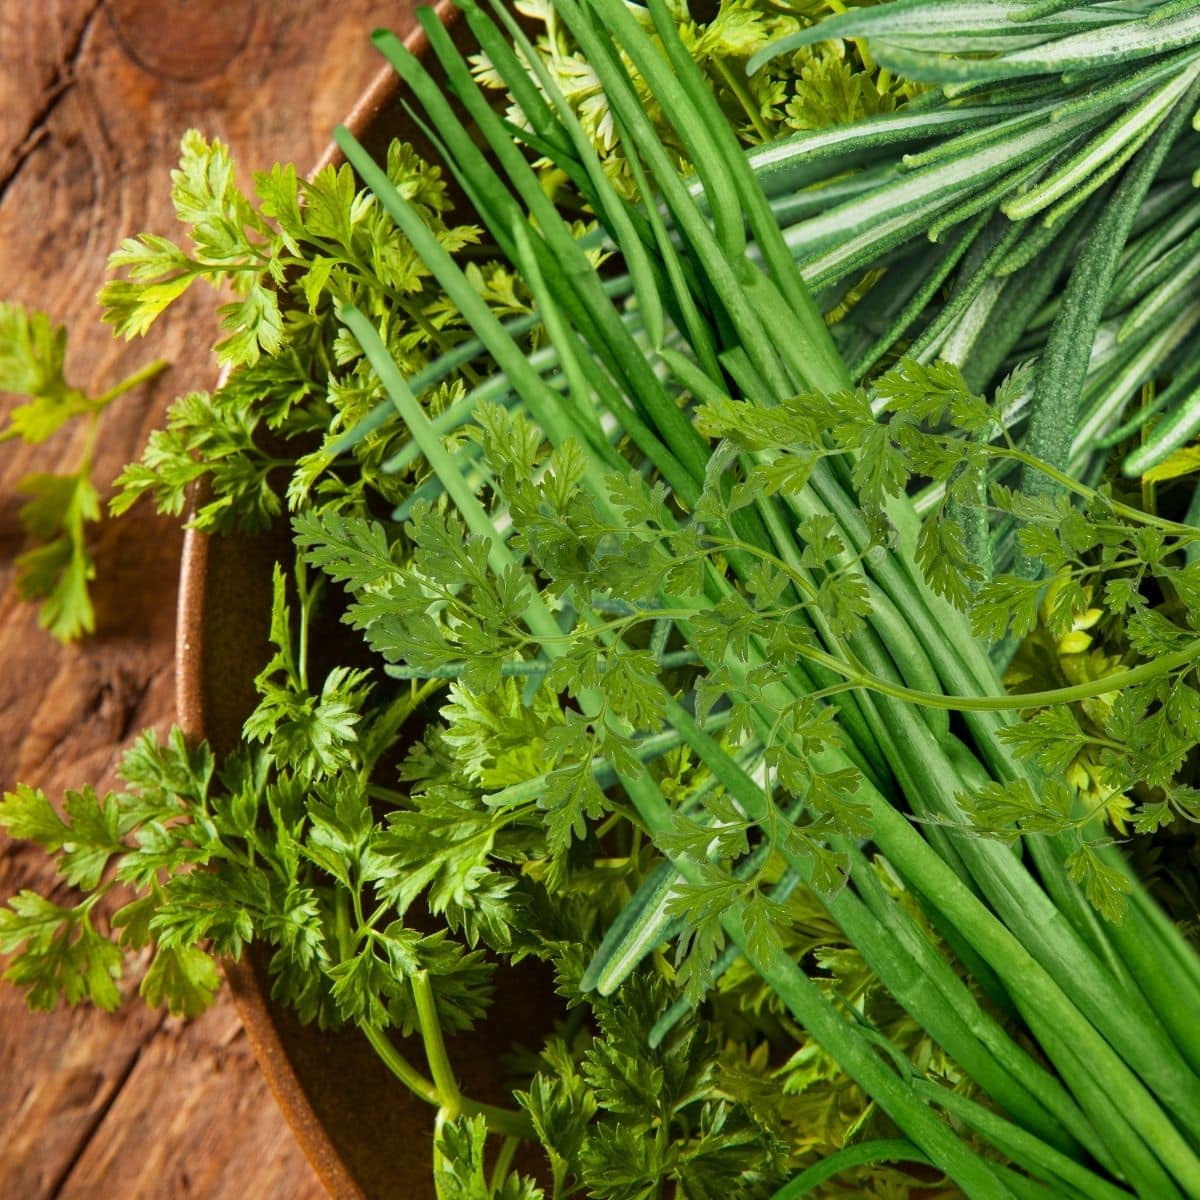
[(500, 1120), (341, 925), (449, 1103), (1084, 492), (438, 1159), (1187, 657), (379, 1040), (302, 649), (435, 1046), (400, 1066), (140, 376), (504, 1161), (442, 1091), (738, 88), (449, 1099), (85, 459)]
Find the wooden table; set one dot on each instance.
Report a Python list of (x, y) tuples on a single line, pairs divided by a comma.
[(94, 95)]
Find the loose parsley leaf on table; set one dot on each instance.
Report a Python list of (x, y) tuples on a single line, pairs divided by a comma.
[(57, 572)]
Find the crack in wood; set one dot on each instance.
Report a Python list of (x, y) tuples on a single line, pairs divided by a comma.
[(61, 82), (63, 1177)]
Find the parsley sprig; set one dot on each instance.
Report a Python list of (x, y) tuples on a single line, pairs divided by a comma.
[(208, 877), (57, 572)]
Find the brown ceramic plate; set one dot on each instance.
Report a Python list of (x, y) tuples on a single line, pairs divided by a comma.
[(367, 1137)]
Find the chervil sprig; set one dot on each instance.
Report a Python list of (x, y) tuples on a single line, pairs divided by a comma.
[(291, 250), (62, 504)]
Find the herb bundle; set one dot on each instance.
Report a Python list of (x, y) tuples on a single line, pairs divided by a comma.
[(688, 615)]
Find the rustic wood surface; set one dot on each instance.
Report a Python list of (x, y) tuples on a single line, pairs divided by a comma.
[(94, 95)]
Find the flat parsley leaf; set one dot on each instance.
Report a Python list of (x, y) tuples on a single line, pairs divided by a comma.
[(55, 952), (32, 353)]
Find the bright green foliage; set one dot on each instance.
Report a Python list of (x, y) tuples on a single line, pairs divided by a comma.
[(1007, 185), (1054, 191), (231, 244), (184, 978), (32, 352), (292, 250), (337, 238), (531, 558), (211, 436), (316, 735), (58, 951), (58, 570), (924, 426), (301, 884), (60, 954), (684, 663), (286, 884), (447, 608)]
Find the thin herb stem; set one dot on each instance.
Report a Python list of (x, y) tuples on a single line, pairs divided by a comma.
[(435, 1045), (1086, 493), (442, 1091), (738, 88), (503, 1161), (399, 1065), (1185, 658), (140, 376)]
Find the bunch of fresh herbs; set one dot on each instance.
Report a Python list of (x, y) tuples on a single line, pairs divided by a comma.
[(684, 620)]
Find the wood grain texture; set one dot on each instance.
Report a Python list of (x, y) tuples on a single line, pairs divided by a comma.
[(94, 95)]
